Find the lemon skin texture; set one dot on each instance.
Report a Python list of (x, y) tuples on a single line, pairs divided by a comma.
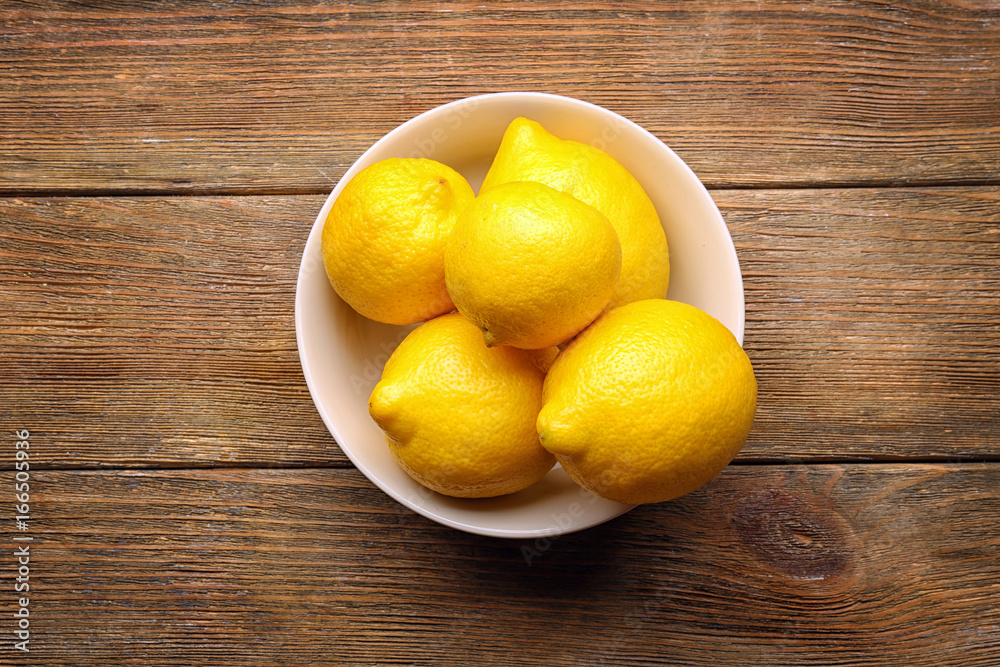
[(383, 240), (459, 417), (528, 152), (531, 266), (649, 403)]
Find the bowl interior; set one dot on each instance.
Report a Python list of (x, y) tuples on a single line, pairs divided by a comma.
[(342, 353)]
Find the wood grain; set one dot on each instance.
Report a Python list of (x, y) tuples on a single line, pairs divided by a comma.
[(794, 565), (159, 331), (188, 507), (281, 97), (873, 320)]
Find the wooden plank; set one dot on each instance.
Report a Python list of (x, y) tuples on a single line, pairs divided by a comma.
[(873, 320), (792, 565), (283, 96), (159, 331)]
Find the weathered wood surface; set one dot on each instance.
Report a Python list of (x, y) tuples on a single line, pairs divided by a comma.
[(873, 320), (188, 507), (159, 331), (282, 96), (768, 565)]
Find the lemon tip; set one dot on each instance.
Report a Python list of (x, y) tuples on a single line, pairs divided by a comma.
[(381, 407)]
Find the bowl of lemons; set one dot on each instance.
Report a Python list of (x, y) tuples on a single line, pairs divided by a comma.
[(521, 315)]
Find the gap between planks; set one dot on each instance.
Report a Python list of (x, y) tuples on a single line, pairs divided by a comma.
[(755, 463), (284, 192)]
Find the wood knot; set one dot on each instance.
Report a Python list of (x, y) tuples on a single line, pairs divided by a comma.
[(801, 537)]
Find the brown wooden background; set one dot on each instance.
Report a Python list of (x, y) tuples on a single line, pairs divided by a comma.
[(161, 164)]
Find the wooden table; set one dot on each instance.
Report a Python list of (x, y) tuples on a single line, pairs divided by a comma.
[(160, 167)]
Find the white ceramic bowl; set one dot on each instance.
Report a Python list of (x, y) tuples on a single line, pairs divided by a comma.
[(342, 353)]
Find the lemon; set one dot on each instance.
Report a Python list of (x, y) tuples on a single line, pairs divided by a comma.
[(528, 152), (383, 240), (531, 266), (459, 417), (649, 403)]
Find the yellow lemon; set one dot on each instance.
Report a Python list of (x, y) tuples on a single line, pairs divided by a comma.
[(383, 240), (459, 417), (531, 266), (649, 403), (530, 153)]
